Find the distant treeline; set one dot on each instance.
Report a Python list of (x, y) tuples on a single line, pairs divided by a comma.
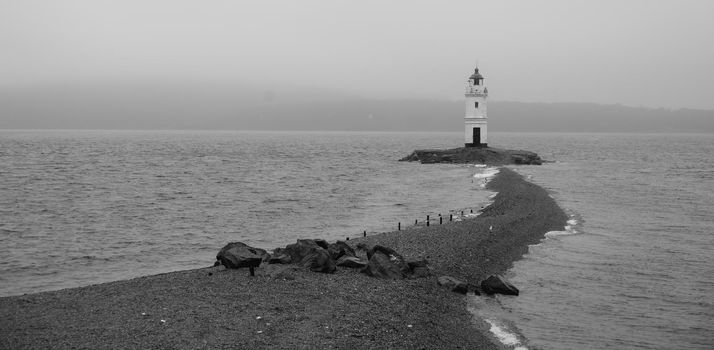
[(235, 109)]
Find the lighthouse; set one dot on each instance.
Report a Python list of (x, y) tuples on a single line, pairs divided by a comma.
[(475, 134)]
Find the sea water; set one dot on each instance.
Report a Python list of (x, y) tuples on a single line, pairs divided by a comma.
[(84, 207), (631, 270)]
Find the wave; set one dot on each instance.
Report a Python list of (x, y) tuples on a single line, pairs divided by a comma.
[(505, 336), (487, 173), (572, 227), (491, 314)]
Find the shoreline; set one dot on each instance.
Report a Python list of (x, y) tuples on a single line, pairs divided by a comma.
[(287, 308)]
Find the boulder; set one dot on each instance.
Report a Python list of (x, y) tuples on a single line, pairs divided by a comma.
[(322, 243), (419, 268), (496, 284), (380, 265), (453, 284), (311, 254), (361, 251), (339, 249), (351, 262), (237, 254), (396, 258), (319, 260), (301, 249)]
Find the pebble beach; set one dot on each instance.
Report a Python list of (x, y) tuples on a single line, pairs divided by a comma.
[(284, 307)]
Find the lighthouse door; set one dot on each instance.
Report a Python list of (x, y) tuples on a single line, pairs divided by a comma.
[(477, 136)]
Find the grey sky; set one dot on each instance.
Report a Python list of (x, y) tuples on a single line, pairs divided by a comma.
[(649, 53)]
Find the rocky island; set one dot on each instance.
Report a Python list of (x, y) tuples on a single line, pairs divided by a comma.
[(481, 155)]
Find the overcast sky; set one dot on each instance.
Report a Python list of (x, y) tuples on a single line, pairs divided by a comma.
[(638, 53)]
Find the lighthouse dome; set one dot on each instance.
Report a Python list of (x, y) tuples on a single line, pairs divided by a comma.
[(476, 75)]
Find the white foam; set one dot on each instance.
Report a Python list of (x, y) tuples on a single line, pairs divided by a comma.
[(485, 176), (504, 336), (551, 234), (487, 173), (569, 229)]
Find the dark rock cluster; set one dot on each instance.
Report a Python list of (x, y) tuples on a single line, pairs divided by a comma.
[(319, 256), (378, 261), (480, 155)]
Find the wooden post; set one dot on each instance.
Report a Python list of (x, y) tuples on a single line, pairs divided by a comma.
[(440, 219), (416, 222), (364, 234), (451, 217), (399, 226), (427, 220)]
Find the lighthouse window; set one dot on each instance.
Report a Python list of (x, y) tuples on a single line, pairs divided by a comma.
[(477, 81), (476, 104)]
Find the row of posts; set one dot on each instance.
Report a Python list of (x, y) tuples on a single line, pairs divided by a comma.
[(441, 221)]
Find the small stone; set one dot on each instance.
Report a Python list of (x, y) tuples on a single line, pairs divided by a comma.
[(453, 284)]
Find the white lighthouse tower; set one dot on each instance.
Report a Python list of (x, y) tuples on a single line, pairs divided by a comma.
[(475, 120)]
